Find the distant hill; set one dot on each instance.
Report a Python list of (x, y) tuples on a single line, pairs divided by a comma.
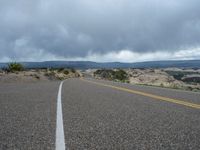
[(89, 64)]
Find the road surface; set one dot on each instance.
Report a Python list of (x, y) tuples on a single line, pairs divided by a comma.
[(97, 114)]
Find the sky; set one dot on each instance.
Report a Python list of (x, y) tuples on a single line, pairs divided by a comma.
[(99, 30)]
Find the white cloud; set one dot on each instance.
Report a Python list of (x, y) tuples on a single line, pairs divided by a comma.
[(121, 56), (122, 30), (129, 56)]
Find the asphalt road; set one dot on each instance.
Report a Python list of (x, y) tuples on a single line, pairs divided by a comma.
[(28, 116), (98, 115)]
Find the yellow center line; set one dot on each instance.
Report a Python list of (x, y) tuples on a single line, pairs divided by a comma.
[(176, 101)]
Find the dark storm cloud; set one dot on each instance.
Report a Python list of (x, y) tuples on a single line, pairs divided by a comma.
[(73, 28)]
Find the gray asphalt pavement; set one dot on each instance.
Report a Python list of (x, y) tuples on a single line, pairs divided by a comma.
[(28, 116), (97, 117)]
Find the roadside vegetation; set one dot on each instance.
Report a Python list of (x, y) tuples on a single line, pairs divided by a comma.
[(175, 78), (187, 77), (108, 74), (13, 67), (16, 72), (61, 73)]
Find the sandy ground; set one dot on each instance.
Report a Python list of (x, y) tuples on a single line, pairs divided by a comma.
[(159, 77), (34, 76)]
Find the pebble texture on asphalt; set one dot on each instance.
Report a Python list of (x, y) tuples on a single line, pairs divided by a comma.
[(97, 117), (28, 116)]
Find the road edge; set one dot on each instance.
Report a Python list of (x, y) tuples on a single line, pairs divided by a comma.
[(60, 137)]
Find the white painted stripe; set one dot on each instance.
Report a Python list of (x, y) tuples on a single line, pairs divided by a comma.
[(60, 137)]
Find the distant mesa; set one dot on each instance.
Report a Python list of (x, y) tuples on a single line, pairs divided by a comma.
[(107, 65)]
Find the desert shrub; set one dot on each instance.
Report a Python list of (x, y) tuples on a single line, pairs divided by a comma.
[(120, 75), (192, 80), (161, 84), (50, 73), (189, 88), (104, 73), (97, 72), (174, 86), (66, 72), (178, 75), (15, 67), (52, 69), (60, 69), (127, 81), (46, 74), (73, 70), (36, 76), (109, 74), (43, 68), (60, 78)]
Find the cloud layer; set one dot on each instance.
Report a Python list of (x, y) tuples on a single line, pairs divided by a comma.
[(67, 29)]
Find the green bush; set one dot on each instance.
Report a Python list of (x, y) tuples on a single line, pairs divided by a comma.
[(104, 73), (15, 67), (120, 75), (66, 72), (50, 73), (109, 74)]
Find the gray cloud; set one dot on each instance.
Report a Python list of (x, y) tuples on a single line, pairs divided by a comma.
[(74, 28)]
